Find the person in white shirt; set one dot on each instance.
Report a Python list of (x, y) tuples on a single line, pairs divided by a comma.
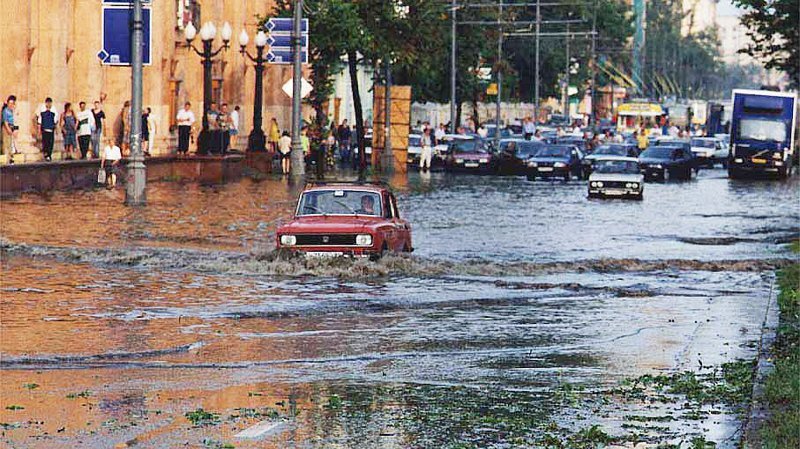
[(110, 161), (86, 126), (234, 126), (441, 131), (483, 132), (185, 119), (528, 128), (285, 148), (427, 151)]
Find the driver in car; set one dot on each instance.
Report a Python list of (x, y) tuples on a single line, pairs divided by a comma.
[(367, 205)]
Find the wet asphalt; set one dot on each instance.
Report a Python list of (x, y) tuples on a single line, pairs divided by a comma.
[(127, 319)]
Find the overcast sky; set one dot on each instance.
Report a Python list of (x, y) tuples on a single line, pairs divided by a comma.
[(726, 8)]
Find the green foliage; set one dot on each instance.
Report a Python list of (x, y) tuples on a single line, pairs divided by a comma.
[(82, 394), (201, 417), (773, 31), (782, 389), (30, 386), (14, 407)]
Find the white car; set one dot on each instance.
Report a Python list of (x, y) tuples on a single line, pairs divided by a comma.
[(414, 148), (709, 150), (616, 177)]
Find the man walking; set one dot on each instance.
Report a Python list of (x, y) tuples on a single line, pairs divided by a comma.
[(97, 134), (427, 151), (234, 130), (185, 119), (47, 126), (85, 128)]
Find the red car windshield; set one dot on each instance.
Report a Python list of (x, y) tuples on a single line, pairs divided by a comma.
[(340, 202)]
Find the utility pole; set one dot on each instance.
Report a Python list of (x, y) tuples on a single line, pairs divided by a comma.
[(298, 170), (453, 109), (592, 115), (639, 7), (536, 81), (566, 80), (499, 75), (137, 176)]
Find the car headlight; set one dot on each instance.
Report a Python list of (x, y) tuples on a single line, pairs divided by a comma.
[(533, 164), (599, 184), (738, 160), (593, 184), (459, 161), (364, 240), (288, 240), (559, 165), (483, 161), (632, 185), (777, 156), (657, 166)]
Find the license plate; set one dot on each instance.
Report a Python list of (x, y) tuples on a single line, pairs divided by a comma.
[(759, 161), (614, 192), (471, 164), (324, 254), (544, 169)]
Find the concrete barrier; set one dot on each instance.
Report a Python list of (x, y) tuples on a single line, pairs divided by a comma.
[(79, 174)]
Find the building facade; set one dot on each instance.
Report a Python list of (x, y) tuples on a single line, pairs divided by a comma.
[(50, 49)]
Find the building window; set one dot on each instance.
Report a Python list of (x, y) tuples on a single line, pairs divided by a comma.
[(187, 11)]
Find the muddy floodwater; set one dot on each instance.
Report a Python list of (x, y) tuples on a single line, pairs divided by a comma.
[(175, 325)]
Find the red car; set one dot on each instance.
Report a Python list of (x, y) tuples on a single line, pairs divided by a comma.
[(346, 220)]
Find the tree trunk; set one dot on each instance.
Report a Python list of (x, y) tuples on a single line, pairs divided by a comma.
[(475, 114), (352, 64)]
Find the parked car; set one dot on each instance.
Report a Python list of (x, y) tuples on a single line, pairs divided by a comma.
[(346, 220), (514, 154), (662, 161), (578, 141), (414, 149), (608, 149), (555, 161), (367, 147), (617, 177), (709, 151), (469, 154)]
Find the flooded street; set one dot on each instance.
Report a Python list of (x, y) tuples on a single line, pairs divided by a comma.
[(523, 304)]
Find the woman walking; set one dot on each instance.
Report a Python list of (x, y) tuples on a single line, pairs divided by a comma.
[(69, 128), (274, 134), (285, 148)]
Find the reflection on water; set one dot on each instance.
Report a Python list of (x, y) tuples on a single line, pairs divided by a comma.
[(116, 322)]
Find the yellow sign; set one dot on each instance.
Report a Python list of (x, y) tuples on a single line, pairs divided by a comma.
[(640, 109), (492, 89)]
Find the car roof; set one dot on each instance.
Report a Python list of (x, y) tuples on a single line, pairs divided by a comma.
[(616, 158), (346, 186)]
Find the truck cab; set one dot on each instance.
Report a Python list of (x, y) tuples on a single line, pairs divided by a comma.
[(763, 130)]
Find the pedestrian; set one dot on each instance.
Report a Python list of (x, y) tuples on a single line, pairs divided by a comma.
[(110, 162), (528, 127), (440, 133), (85, 129), (97, 135), (427, 151), (274, 134), (345, 134), (185, 119), (125, 118), (224, 124), (151, 130), (146, 132), (234, 128), (285, 149), (69, 126), (8, 128), (482, 131), (305, 142), (48, 118), (537, 136), (214, 141), (330, 144)]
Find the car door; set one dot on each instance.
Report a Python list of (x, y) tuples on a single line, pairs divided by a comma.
[(402, 233)]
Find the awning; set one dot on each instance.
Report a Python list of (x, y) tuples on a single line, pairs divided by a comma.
[(640, 109)]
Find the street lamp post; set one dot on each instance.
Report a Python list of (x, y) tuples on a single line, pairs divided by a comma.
[(207, 34), (257, 140)]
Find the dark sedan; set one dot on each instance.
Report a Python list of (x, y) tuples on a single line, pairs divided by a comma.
[(469, 155), (608, 149), (555, 161), (514, 154), (664, 161)]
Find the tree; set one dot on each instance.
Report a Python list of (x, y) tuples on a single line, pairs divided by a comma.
[(774, 30)]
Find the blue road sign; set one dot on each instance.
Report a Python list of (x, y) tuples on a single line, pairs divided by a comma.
[(284, 56), (276, 26), (117, 36), (284, 40)]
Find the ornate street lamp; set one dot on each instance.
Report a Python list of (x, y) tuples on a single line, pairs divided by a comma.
[(257, 140), (207, 34)]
